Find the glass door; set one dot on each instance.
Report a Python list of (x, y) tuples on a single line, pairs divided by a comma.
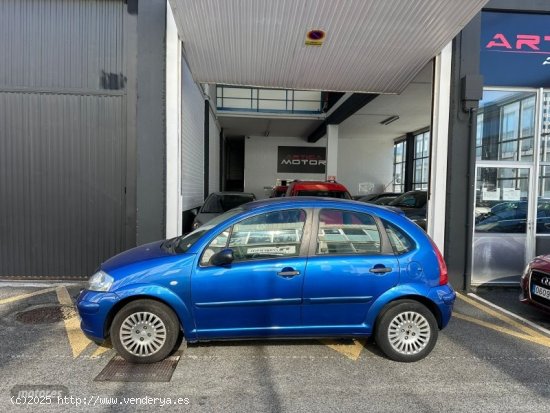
[(503, 224), (542, 244)]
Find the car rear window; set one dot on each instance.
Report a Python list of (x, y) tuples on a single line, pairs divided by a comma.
[(400, 242), (328, 194)]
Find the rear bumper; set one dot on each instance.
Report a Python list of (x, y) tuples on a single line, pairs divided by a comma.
[(444, 297)]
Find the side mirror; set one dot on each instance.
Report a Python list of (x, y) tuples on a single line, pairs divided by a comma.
[(224, 257)]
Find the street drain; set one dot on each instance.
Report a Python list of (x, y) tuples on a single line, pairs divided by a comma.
[(46, 314), (119, 369)]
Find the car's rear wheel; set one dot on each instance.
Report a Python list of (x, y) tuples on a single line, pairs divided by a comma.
[(407, 331), (145, 331)]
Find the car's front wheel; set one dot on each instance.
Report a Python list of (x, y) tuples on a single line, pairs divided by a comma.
[(145, 331), (407, 331)]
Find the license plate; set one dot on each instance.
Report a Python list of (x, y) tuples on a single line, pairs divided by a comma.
[(541, 292)]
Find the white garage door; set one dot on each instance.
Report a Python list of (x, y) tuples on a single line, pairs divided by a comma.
[(192, 126)]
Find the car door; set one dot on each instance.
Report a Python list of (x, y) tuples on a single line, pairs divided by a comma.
[(260, 292), (351, 263)]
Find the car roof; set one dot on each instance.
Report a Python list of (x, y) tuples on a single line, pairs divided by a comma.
[(232, 193), (309, 202), (318, 184)]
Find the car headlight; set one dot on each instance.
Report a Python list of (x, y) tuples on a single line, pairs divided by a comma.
[(100, 281), (196, 224)]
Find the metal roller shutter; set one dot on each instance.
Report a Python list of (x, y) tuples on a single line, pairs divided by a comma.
[(62, 136), (192, 127)]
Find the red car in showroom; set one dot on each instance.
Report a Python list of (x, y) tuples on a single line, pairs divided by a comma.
[(328, 189), (535, 283)]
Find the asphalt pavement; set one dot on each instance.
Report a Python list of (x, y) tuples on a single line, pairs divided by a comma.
[(486, 360)]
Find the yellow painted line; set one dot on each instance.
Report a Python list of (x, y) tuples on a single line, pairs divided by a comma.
[(77, 340), (501, 316), (100, 350), (24, 296), (351, 351), (543, 341)]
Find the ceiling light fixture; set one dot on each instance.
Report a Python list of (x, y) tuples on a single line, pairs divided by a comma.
[(389, 120)]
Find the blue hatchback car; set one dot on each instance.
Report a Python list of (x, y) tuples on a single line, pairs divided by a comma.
[(277, 268)]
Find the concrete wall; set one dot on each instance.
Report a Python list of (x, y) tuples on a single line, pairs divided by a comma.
[(364, 159), (214, 154), (361, 159), (150, 124), (260, 162)]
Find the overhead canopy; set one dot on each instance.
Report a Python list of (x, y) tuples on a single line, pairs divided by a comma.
[(374, 46)]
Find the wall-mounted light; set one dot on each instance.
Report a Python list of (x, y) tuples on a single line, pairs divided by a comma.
[(389, 120)]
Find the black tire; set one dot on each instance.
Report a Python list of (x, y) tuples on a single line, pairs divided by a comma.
[(406, 331), (149, 334)]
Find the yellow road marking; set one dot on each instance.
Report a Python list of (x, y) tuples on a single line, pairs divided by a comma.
[(77, 340), (24, 296), (99, 351), (501, 316), (351, 351), (543, 341)]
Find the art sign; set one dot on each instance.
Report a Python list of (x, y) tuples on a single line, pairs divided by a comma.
[(515, 49)]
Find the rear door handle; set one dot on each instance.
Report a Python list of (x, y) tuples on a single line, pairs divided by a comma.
[(380, 269), (288, 273)]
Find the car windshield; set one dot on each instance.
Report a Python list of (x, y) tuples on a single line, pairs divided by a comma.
[(385, 200), (368, 197), (328, 194), (187, 241), (219, 203), (410, 200)]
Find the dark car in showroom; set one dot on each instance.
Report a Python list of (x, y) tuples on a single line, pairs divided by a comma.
[(535, 283), (301, 267), (278, 191), (373, 198), (219, 202), (413, 204), (511, 217)]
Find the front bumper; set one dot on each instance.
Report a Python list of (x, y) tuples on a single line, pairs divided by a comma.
[(525, 296), (94, 308)]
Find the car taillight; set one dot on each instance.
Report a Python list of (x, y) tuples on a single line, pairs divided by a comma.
[(443, 274)]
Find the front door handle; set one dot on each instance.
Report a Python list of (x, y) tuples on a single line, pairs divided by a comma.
[(380, 269), (288, 273)]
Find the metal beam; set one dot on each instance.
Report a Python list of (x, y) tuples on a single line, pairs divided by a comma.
[(355, 102)]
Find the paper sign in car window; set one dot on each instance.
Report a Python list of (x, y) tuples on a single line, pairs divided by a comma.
[(286, 250)]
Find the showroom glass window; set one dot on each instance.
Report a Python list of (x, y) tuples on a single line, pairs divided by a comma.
[(543, 201), (506, 126), (421, 161), (399, 165), (505, 132)]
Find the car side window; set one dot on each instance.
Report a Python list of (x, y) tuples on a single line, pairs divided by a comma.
[(269, 235), (400, 242), (347, 232), (216, 245)]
